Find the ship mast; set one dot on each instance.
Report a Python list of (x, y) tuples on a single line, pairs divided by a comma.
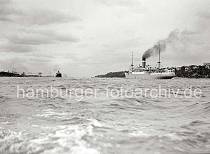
[(132, 65), (159, 57)]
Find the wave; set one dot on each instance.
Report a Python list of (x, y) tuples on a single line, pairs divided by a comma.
[(104, 124), (60, 139)]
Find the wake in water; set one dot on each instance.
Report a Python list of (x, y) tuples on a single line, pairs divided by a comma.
[(101, 124)]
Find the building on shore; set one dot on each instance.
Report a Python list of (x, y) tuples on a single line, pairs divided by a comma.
[(207, 65)]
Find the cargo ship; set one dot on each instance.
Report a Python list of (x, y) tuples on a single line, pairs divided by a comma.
[(144, 71), (58, 74)]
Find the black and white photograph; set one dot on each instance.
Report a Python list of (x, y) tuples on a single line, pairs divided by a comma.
[(104, 76)]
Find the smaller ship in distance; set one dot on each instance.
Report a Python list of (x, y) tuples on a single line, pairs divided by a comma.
[(58, 74)]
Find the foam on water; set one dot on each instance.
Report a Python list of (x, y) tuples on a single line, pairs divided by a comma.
[(101, 124), (60, 139)]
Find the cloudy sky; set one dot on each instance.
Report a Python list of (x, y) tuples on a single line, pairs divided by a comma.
[(89, 37)]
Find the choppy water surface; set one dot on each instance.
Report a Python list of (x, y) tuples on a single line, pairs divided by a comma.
[(104, 125)]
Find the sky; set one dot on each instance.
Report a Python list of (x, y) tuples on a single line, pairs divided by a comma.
[(84, 38)]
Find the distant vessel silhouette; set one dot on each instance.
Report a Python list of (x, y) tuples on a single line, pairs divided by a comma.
[(58, 74)]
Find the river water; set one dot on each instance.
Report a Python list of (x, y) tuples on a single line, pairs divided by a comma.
[(103, 124)]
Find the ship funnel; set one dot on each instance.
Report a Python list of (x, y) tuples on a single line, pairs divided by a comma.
[(144, 62)]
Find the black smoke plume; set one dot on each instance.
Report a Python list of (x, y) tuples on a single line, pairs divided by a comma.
[(161, 45)]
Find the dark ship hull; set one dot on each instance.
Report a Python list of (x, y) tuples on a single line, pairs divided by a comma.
[(58, 75), (145, 75)]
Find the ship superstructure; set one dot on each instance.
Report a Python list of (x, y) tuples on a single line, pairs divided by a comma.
[(146, 71)]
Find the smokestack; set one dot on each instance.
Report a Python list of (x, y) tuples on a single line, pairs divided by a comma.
[(144, 62), (156, 49)]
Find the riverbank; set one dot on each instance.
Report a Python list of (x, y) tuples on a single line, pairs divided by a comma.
[(13, 74), (120, 74), (192, 71), (9, 74)]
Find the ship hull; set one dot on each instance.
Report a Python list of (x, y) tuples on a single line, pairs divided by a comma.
[(149, 75)]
